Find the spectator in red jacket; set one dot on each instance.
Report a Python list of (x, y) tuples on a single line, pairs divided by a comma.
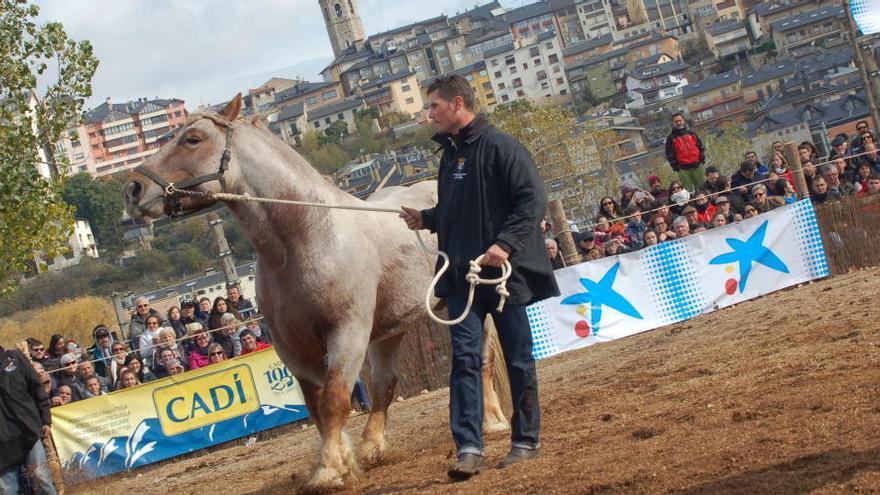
[(249, 343), (685, 153)]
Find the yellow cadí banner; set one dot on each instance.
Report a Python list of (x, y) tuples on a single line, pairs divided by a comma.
[(176, 415)]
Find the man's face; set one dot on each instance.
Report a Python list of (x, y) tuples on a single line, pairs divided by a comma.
[(820, 186), (682, 229), (752, 157), (748, 173), (692, 217), (166, 356), (804, 155), (71, 368), (65, 394), (175, 369), (93, 386), (86, 369), (870, 146), (187, 312), (840, 148), (38, 352), (248, 342), (678, 122), (861, 127), (444, 113), (656, 185), (760, 196), (832, 179), (874, 186), (724, 207), (712, 177), (552, 250), (205, 305), (777, 147), (233, 294), (142, 307), (104, 340)]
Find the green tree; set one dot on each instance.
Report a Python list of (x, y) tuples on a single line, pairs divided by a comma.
[(33, 215), (725, 148), (325, 158), (334, 133), (99, 202)]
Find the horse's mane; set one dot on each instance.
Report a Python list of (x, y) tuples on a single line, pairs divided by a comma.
[(257, 120)]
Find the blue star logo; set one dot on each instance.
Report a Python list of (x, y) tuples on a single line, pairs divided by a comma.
[(749, 252), (600, 294)]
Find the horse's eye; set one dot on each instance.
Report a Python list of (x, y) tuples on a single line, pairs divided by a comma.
[(193, 140)]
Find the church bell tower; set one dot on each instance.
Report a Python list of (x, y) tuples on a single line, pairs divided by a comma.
[(343, 23)]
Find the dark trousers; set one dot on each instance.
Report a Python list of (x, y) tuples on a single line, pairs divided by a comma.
[(465, 381)]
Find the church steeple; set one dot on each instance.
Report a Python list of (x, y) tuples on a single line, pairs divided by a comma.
[(343, 23)]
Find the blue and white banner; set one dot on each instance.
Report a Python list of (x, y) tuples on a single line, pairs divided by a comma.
[(622, 295)]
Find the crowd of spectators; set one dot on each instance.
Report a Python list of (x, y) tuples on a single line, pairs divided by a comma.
[(643, 217), (194, 335)]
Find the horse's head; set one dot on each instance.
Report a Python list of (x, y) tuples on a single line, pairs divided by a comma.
[(174, 180)]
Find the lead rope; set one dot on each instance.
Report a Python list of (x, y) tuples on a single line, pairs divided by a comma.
[(473, 276)]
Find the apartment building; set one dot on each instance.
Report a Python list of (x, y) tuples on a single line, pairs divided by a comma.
[(528, 68)]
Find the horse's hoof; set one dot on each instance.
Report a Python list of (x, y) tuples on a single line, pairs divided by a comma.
[(369, 454), (325, 480)]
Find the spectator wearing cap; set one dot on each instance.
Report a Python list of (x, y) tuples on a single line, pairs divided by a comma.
[(685, 153), (24, 420), (138, 323), (188, 315), (249, 343), (722, 205), (552, 253), (585, 243), (839, 147), (760, 168), (102, 350), (635, 227), (681, 226), (693, 218), (655, 186), (743, 180), (68, 376)]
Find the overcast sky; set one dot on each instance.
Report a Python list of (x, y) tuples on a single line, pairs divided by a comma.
[(204, 51)]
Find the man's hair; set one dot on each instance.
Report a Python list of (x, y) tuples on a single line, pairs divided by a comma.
[(90, 377), (817, 178), (448, 87), (828, 170), (874, 176), (204, 299), (712, 169), (679, 220), (861, 122), (677, 114), (746, 165), (245, 333), (759, 187), (750, 151)]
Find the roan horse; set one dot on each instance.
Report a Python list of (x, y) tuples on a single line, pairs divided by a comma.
[(332, 284)]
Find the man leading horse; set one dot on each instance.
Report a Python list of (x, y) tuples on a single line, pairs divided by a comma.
[(490, 202)]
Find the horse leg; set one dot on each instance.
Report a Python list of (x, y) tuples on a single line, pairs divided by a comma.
[(493, 416), (383, 380), (336, 458), (311, 394)]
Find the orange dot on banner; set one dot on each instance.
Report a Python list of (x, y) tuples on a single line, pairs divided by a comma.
[(729, 269), (582, 329), (730, 286), (582, 310)]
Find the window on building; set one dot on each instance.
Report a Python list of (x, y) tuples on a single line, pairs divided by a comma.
[(517, 83), (311, 100), (525, 66), (487, 85), (536, 62), (410, 100), (502, 86), (512, 69), (338, 9), (406, 88), (553, 59), (560, 80), (329, 95), (541, 75), (520, 93), (549, 45), (484, 73), (327, 121), (494, 62), (340, 116), (505, 98), (498, 74), (534, 51), (509, 60)]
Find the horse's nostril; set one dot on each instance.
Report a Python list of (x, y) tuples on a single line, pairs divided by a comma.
[(135, 189)]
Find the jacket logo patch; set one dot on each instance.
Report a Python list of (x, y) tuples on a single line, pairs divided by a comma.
[(459, 173)]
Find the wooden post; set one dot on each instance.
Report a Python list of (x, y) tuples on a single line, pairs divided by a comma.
[(54, 464), (122, 318), (224, 252), (566, 241), (797, 170)]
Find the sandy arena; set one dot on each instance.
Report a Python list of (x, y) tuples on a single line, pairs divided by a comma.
[(780, 395)]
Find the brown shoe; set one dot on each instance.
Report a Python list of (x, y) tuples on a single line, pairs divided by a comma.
[(518, 454), (467, 466)]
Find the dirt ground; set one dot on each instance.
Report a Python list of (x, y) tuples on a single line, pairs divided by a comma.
[(780, 395)]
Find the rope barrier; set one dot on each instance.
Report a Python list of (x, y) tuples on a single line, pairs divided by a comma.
[(473, 278)]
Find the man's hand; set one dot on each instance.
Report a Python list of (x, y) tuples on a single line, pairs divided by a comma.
[(494, 256), (56, 401), (412, 217), (46, 431)]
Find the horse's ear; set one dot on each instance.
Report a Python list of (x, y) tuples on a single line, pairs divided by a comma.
[(230, 112)]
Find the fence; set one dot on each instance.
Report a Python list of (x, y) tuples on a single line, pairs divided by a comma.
[(851, 232)]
